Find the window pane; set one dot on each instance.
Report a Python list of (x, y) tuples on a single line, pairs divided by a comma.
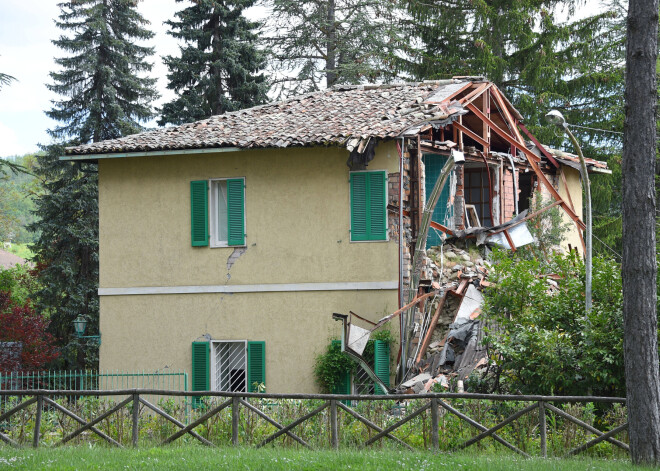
[(221, 211)]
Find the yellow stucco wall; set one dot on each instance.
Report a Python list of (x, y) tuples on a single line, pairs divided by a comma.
[(574, 184), (154, 331), (297, 220), (297, 226)]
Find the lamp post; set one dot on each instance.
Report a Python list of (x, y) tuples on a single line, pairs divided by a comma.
[(79, 326), (556, 118)]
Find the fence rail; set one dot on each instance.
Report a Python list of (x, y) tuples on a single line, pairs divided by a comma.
[(134, 403)]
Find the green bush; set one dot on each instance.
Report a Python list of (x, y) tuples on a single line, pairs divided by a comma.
[(541, 339), (330, 366)]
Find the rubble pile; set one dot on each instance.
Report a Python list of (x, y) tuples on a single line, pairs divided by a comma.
[(446, 347), (449, 263)]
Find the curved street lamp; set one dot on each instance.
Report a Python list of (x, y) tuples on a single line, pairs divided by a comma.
[(556, 118)]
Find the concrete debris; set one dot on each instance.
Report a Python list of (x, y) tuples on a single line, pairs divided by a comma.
[(421, 378), (447, 345)]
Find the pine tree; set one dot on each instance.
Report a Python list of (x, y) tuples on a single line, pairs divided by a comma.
[(5, 79), (218, 69), (317, 44), (105, 96), (537, 60)]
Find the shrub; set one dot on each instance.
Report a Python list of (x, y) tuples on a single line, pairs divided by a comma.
[(332, 365), (542, 341), (20, 323)]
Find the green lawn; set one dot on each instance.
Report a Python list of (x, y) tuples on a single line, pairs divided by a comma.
[(199, 458)]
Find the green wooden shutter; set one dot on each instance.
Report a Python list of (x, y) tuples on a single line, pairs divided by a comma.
[(377, 205), (256, 364), (199, 213), (368, 206), (236, 211), (201, 369), (359, 215), (382, 363)]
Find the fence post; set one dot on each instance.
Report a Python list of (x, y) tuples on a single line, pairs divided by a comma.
[(542, 428), (235, 414), (334, 431), (37, 421), (136, 418), (435, 435)]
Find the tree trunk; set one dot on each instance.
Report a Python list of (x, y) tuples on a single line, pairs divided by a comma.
[(215, 73), (639, 263), (331, 47)]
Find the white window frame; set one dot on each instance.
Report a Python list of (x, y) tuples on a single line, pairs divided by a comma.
[(213, 214), (214, 367)]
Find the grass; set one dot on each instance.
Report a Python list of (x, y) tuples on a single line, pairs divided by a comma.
[(199, 458)]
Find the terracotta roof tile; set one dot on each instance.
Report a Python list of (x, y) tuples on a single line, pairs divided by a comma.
[(328, 117)]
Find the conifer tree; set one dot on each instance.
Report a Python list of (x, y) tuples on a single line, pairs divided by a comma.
[(219, 67), (538, 60), (5, 79), (104, 96), (318, 44)]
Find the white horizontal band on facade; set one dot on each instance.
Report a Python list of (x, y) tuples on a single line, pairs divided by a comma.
[(264, 288)]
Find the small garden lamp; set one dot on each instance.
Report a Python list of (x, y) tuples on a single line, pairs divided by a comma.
[(556, 118), (79, 326)]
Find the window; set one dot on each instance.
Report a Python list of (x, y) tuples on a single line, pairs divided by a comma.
[(228, 365), (477, 193), (217, 212), (369, 205)]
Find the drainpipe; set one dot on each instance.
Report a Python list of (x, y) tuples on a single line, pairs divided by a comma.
[(515, 184)]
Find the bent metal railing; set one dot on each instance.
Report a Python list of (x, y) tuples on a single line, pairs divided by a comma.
[(436, 403)]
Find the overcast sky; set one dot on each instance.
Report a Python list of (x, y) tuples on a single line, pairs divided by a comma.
[(26, 52)]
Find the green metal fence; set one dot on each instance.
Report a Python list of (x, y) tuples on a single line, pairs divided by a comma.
[(88, 380)]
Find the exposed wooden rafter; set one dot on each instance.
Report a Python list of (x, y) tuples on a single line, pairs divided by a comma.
[(533, 162)]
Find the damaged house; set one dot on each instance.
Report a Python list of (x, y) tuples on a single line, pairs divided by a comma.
[(226, 244)]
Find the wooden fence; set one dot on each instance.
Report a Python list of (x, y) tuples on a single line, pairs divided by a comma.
[(435, 403)]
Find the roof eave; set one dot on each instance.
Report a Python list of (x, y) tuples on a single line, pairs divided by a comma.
[(149, 153)]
